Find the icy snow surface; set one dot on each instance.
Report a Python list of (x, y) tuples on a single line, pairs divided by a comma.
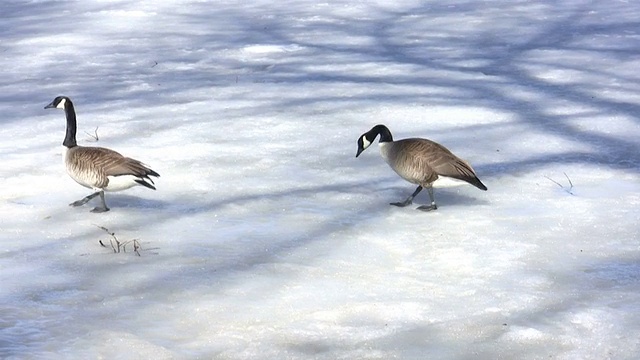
[(267, 238)]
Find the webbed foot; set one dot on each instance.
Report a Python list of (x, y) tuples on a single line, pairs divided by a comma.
[(427, 207), (402, 204), (78, 203), (84, 200)]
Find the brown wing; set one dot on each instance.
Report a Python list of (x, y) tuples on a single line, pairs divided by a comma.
[(426, 160), (93, 165)]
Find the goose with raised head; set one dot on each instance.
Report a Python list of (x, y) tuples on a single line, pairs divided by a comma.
[(419, 161), (98, 168)]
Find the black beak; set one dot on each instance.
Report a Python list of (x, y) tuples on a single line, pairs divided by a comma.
[(360, 150), (50, 106)]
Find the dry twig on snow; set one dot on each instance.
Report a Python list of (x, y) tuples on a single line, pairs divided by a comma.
[(118, 246), (567, 190), (94, 136)]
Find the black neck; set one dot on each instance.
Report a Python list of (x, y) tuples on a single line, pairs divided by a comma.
[(383, 131), (70, 138)]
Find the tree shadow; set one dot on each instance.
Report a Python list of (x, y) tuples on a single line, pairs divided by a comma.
[(388, 57)]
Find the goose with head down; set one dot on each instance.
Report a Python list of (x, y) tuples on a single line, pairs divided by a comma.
[(419, 161)]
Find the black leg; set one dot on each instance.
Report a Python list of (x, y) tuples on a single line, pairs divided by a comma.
[(433, 205), (409, 200), (103, 208)]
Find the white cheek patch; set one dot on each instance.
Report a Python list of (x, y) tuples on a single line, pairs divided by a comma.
[(365, 142), (61, 104)]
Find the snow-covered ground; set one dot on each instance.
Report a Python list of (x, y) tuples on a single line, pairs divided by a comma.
[(267, 238)]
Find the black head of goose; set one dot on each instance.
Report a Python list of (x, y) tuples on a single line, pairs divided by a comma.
[(98, 168), (419, 161)]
